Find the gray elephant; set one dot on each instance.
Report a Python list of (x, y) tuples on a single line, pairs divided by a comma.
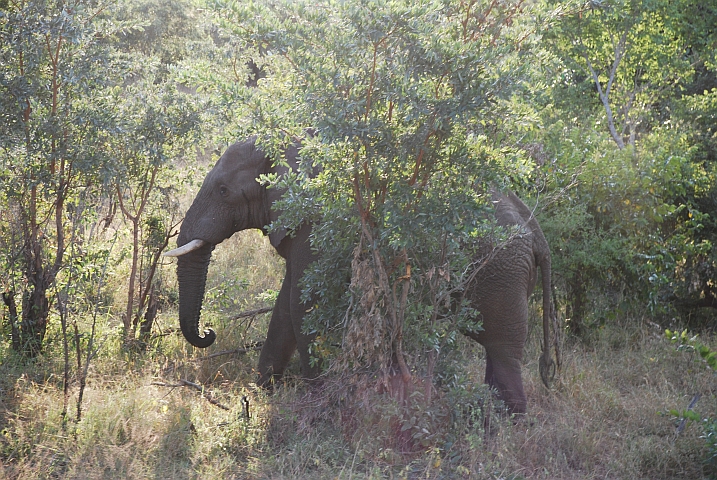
[(500, 292), (230, 200)]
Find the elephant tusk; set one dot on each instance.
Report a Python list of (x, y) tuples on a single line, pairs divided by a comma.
[(186, 248)]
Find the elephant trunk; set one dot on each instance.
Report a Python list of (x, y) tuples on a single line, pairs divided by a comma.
[(192, 277)]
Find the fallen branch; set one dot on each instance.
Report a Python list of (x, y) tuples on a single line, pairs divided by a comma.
[(252, 313), (683, 422), (238, 351), (196, 386), (247, 314), (167, 332)]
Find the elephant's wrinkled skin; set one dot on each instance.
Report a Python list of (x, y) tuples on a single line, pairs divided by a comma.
[(230, 200), (500, 293)]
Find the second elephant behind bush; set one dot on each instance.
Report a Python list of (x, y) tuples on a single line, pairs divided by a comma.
[(500, 292)]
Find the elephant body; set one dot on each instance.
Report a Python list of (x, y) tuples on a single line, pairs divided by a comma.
[(500, 292), (230, 200)]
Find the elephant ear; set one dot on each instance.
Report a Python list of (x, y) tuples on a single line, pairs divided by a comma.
[(277, 236), (274, 194)]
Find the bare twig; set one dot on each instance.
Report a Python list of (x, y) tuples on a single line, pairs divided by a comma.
[(196, 386), (167, 332), (252, 313)]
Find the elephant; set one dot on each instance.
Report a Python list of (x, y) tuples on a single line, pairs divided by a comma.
[(232, 199), (500, 291)]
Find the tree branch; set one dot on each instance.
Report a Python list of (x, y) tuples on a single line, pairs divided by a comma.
[(252, 313), (604, 98)]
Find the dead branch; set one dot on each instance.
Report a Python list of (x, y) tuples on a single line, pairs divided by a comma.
[(196, 386), (252, 313), (683, 422), (167, 332), (247, 314)]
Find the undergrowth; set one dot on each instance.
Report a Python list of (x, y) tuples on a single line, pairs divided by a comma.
[(603, 418)]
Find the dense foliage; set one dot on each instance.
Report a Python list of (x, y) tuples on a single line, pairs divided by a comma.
[(77, 142), (599, 127), (602, 115), (417, 107), (398, 167), (629, 81)]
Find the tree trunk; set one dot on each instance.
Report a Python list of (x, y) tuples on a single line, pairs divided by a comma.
[(35, 310), (576, 305), (145, 328), (8, 299)]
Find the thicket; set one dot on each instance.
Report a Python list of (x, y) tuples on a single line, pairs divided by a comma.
[(90, 136), (602, 115), (596, 129), (397, 96), (628, 84)]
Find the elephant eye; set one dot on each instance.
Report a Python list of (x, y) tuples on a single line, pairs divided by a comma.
[(223, 191)]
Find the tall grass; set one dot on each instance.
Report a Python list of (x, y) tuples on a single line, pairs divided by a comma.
[(601, 420)]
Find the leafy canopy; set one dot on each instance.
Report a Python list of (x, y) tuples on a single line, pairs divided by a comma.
[(403, 99)]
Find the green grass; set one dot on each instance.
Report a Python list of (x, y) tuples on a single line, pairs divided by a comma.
[(601, 420)]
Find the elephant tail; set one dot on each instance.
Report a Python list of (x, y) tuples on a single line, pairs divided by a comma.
[(547, 366)]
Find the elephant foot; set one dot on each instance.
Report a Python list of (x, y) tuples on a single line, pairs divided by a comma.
[(268, 381)]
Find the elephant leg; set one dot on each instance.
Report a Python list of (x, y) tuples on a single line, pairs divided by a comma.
[(300, 260), (303, 341), (489, 374), (280, 339), (503, 372)]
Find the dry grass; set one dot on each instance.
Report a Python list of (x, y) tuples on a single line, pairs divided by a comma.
[(603, 418), (600, 421)]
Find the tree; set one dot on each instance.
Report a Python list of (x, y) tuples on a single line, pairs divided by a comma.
[(161, 30), (629, 54), (398, 95), (614, 124), (52, 73), (79, 121), (158, 125)]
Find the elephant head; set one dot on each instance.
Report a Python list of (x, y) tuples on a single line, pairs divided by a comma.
[(230, 199)]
